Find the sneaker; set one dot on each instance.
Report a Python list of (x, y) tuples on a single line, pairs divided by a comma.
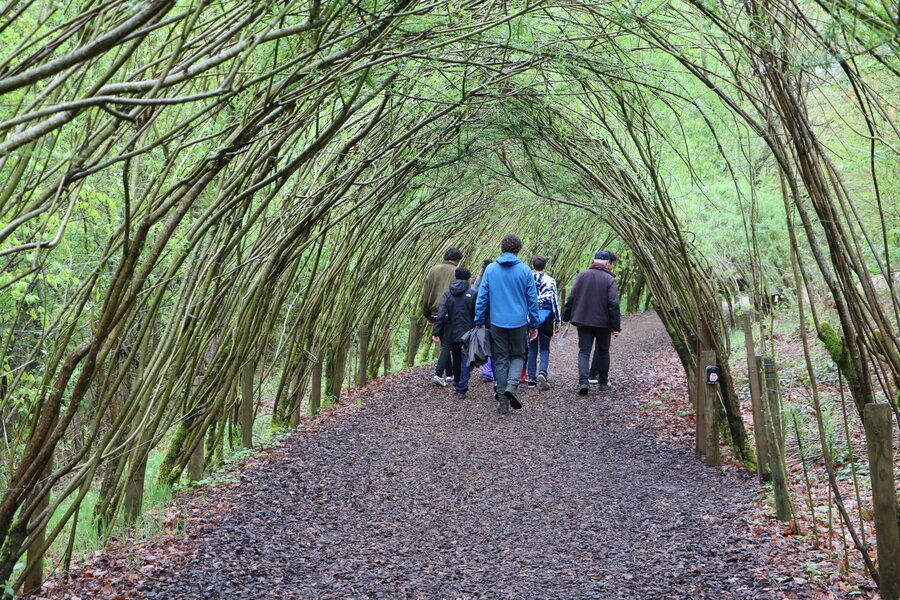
[(461, 395), (605, 387), (532, 384), (487, 379), (438, 380), (542, 382), (503, 407), (593, 380), (448, 378), (513, 399), (583, 389)]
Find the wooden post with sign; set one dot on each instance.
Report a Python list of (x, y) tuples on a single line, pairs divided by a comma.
[(708, 400)]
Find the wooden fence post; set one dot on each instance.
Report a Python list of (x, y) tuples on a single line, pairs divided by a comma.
[(759, 422), (708, 400), (413, 344), (33, 577), (134, 489), (196, 464), (362, 373), (879, 439), (760, 375), (783, 508), (247, 373), (315, 394), (337, 368)]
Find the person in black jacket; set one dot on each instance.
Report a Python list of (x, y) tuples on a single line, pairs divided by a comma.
[(593, 306), (455, 318)]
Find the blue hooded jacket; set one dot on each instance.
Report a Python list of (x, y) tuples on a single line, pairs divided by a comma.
[(508, 288)]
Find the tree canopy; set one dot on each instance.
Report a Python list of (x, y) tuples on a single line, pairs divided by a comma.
[(190, 187)]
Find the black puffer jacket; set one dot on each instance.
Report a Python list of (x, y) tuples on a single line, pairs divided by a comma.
[(457, 313)]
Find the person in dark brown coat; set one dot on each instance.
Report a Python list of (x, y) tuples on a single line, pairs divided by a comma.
[(593, 307)]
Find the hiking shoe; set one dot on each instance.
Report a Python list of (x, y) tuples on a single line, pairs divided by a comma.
[(503, 407), (448, 378), (487, 379), (440, 381), (461, 395), (542, 382), (594, 380), (532, 384), (583, 389), (605, 387), (513, 399)]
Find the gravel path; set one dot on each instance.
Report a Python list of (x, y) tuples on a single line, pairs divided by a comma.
[(420, 495)]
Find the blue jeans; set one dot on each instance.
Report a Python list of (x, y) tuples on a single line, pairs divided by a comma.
[(542, 341), (461, 369)]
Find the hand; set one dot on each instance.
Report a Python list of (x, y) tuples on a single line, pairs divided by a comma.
[(431, 322), (556, 328), (616, 334), (435, 339), (532, 334)]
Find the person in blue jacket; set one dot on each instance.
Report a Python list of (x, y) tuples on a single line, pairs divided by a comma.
[(508, 288)]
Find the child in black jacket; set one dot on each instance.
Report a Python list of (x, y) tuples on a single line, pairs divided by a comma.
[(455, 318)]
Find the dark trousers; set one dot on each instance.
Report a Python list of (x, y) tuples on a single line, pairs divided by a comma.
[(597, 338), (461, 371), (445, 362), (508, 348)]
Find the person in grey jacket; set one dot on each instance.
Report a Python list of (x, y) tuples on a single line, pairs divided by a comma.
[(593, 307)]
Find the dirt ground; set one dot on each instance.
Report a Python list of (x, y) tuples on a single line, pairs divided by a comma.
[(406, 491)]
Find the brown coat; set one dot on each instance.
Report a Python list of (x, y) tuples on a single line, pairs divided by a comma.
[(436, 283)]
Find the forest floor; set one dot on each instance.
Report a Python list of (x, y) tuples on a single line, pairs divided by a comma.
[(405, 491)]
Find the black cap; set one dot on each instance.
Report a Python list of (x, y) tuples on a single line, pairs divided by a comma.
[(601, 255)]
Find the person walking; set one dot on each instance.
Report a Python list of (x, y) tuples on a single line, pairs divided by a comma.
[(594, 377), (437, 281), (549, 317), (593, 307), (487, 370), (508, 288), (455, 318)]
